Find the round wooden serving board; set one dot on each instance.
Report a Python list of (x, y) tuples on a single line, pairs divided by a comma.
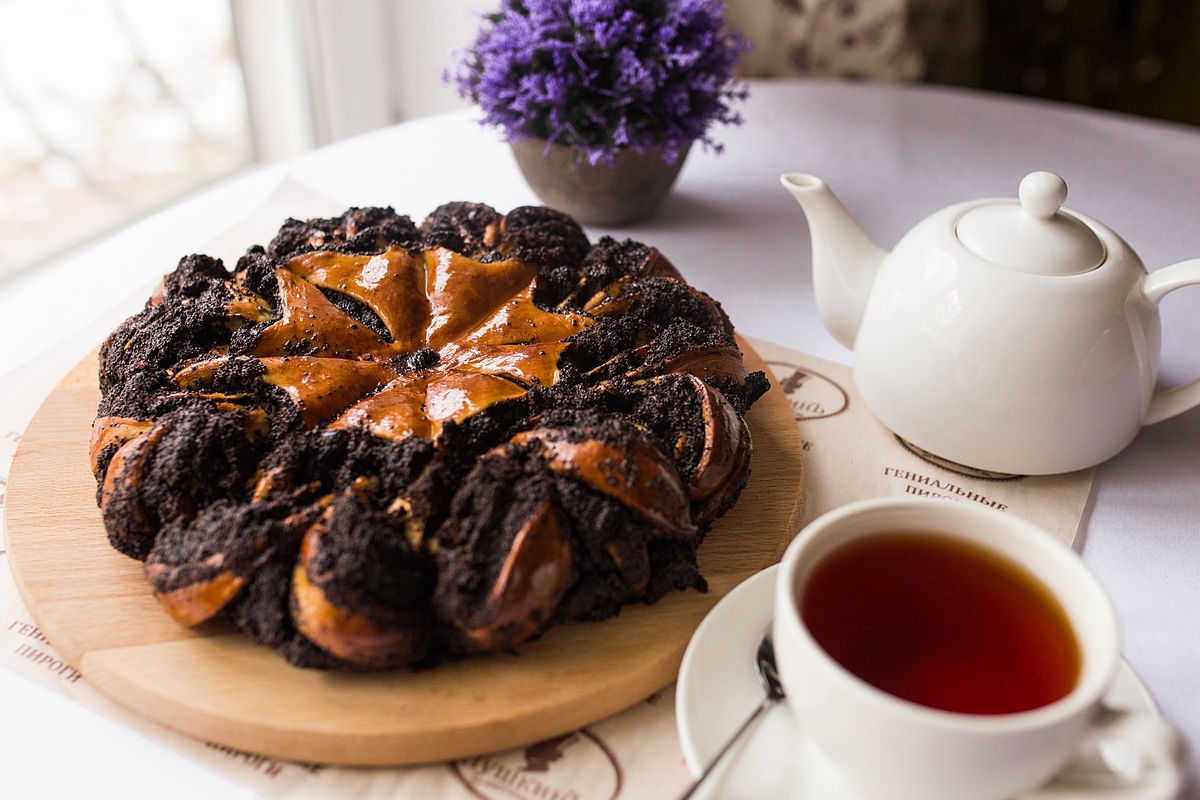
[(215, 684)]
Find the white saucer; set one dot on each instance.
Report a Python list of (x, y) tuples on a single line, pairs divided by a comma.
[(718, 688)]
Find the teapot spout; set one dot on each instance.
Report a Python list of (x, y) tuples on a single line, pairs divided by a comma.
[(845, 260)]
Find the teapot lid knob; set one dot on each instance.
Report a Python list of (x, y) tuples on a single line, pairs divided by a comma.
[(1042, 194)]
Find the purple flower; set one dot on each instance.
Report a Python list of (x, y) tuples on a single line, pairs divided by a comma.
[(605, 75)]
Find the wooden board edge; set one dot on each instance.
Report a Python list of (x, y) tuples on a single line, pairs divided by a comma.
[(792, 444), (107, 671), (14, 507)]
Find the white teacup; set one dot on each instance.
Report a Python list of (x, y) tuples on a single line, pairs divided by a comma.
[(892, 749)]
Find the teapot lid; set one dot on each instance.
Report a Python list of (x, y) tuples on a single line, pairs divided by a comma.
[(1033, 235)]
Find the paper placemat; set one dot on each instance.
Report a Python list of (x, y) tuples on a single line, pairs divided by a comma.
[(635, 754)]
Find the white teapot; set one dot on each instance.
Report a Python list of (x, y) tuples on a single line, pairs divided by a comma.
[(1008, 335)]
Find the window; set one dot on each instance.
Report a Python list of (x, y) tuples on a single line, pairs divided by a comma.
[(108, 109)]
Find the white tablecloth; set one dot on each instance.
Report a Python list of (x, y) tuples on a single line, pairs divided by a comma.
[(893, 154)]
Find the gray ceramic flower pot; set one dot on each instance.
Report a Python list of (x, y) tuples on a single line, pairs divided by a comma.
[(627, 192)]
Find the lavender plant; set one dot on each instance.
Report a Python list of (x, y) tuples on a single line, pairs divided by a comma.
[(605, 75)]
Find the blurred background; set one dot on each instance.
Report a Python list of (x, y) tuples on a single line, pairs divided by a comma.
[(110, 109)]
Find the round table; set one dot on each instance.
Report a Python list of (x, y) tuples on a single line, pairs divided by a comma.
[(893, 154)]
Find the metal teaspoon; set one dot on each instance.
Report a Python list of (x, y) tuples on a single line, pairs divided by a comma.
[(768, 676)]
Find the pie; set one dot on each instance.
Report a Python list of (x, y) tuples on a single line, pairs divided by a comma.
[(375, 444)]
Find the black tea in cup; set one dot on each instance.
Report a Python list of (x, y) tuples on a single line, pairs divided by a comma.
[(943, 623)]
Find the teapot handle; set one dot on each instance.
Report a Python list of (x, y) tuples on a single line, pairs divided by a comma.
[(1155, 287)]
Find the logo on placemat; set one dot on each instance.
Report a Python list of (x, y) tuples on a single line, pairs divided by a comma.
[(576, 766), (811, 395)]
